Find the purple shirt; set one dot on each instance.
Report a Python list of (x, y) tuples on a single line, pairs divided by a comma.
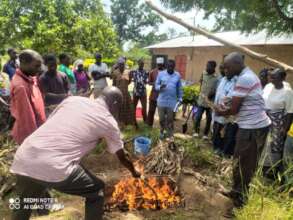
[(52, 152), (81, 80)]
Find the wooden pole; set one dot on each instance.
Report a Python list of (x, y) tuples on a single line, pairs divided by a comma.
[(261, 57)]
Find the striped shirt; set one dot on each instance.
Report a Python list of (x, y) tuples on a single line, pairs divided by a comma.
[(252, 113)]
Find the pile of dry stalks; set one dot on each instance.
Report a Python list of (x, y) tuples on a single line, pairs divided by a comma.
[(7, 150), (164, 159)]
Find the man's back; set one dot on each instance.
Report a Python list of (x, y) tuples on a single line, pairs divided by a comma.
[(72, 130)]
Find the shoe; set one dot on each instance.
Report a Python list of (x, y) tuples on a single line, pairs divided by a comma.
[(195, 135), (205, 137)]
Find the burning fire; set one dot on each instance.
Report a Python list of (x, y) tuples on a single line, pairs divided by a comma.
[(150, 193)]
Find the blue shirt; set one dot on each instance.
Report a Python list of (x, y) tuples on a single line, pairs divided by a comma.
[(224, 90), (10, 68), (172, 93)]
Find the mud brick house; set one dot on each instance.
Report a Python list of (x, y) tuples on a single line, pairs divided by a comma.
[(191, 53)]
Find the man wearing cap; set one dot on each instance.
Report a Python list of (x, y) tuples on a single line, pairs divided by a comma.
[(58, 147), (99, 71), (154, 94)]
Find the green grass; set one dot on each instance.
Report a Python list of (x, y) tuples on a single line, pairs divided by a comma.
[(266, 201), (201, 155)]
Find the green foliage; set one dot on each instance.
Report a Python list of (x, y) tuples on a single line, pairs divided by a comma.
[(190, 94), (136, 53), (266, 202), (78, 27), (131, 19), (198, 152), (247, 15)]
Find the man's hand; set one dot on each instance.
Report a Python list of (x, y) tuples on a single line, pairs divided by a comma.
[(123, 158), (163, 86), (136, 174)]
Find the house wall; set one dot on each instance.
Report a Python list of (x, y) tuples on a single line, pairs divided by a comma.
[(198, 57)]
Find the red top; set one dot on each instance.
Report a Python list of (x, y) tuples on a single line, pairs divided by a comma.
[(27, 106)]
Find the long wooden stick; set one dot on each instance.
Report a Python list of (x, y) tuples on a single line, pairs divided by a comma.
[(261, 57)]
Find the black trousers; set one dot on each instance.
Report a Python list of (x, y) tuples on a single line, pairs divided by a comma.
[(198, 117), (81, 182), (218, 140), (224, 143), (152, 111), (248, 150), (230, 138)]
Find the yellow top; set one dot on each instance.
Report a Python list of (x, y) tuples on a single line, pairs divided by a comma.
[(290, 132)]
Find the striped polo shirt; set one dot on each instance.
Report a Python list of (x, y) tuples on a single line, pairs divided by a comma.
[(252, 113)]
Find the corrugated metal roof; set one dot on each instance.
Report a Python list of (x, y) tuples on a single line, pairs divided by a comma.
[(236, 37)]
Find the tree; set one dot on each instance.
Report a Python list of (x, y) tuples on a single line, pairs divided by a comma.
[(72, 26), (276, 16), (134, 21)]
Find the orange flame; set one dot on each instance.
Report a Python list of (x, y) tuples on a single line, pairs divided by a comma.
[(151, 193)]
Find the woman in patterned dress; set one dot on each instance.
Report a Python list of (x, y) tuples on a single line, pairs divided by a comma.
[(279, 105), (121, 80)]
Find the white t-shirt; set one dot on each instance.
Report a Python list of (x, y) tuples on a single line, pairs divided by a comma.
[(103, 69), (278, 99)]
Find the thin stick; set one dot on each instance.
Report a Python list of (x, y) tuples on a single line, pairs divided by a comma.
[(261, 57)]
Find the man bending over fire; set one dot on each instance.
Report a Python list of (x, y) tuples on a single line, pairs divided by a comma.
[(50, 157)]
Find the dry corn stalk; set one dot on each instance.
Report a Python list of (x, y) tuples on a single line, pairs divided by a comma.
[(7, 150), (164, 161)]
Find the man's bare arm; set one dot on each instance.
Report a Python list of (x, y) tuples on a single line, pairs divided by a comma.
[(124, 159)]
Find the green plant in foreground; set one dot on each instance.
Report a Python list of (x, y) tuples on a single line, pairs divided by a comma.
[(266, 201), (190, 94), (200, 156)]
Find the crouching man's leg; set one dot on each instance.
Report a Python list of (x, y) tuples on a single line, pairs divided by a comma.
[(82, 183)]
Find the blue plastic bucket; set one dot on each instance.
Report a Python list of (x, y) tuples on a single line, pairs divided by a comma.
[(142, 145)]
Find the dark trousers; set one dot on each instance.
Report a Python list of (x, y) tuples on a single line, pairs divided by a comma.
[(217, 138), (143, 101), (81, 182), (152, 111), (249, 146), (198, 117), (224, 137), (230, 138)]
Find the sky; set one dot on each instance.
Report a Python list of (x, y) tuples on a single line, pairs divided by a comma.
[(188, 17)]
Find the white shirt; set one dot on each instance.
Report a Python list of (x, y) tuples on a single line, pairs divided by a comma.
[(103, 69), (278, 99)]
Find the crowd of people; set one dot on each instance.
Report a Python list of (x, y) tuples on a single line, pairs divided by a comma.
[(251, 118)]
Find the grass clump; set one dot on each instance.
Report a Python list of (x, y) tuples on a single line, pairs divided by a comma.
[(266, 201), (200, 155)]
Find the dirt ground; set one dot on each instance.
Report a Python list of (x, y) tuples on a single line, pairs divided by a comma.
[(200, 202)]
